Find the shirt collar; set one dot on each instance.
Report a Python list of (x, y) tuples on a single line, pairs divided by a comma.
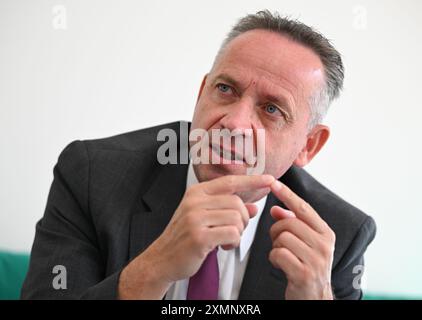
[(250, 230)]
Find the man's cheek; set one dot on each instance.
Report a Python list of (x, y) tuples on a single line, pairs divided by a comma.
[(278, 162), (206, 116)]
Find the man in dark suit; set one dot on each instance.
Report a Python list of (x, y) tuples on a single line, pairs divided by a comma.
[(121, 224)]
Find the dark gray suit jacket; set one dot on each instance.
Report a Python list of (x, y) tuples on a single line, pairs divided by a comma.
[(110, 199)]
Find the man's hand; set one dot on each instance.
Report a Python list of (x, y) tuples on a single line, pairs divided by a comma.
[(209, 215), (303, 246)]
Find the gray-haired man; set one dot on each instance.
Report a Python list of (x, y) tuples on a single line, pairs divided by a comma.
[(128, 227)]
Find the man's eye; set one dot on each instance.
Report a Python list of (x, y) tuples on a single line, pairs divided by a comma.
[(223, 87), (272, 109)]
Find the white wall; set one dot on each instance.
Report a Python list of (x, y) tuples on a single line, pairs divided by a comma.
[(124, 65)]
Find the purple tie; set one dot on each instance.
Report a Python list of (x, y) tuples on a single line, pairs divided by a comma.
[(203, 285)]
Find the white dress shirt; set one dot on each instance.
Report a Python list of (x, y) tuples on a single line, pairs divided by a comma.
[(231, 263)]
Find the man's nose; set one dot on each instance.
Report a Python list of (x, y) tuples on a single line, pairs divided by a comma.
[(239, 117)]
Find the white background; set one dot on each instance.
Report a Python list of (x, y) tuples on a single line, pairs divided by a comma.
[(125, 65)]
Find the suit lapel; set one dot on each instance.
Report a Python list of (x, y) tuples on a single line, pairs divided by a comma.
[(162, 199)]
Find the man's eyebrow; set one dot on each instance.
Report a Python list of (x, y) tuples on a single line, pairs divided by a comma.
[(228, 79)]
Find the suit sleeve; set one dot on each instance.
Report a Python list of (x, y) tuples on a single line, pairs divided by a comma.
[(66, 262), (347, 273)]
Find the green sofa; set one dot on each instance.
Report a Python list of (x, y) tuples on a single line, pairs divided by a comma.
[(13, 268)]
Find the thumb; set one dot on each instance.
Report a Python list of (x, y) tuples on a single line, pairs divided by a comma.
[(278, 213)]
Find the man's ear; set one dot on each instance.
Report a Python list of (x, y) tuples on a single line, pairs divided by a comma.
[(315, 141), (202, 87)]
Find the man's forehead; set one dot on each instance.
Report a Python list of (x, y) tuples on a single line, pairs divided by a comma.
[(265, 54)]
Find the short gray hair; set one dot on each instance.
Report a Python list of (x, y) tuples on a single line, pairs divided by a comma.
[(307, 36)]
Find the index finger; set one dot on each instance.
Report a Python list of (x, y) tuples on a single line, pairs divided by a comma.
[(237, 183), (299, 206)]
